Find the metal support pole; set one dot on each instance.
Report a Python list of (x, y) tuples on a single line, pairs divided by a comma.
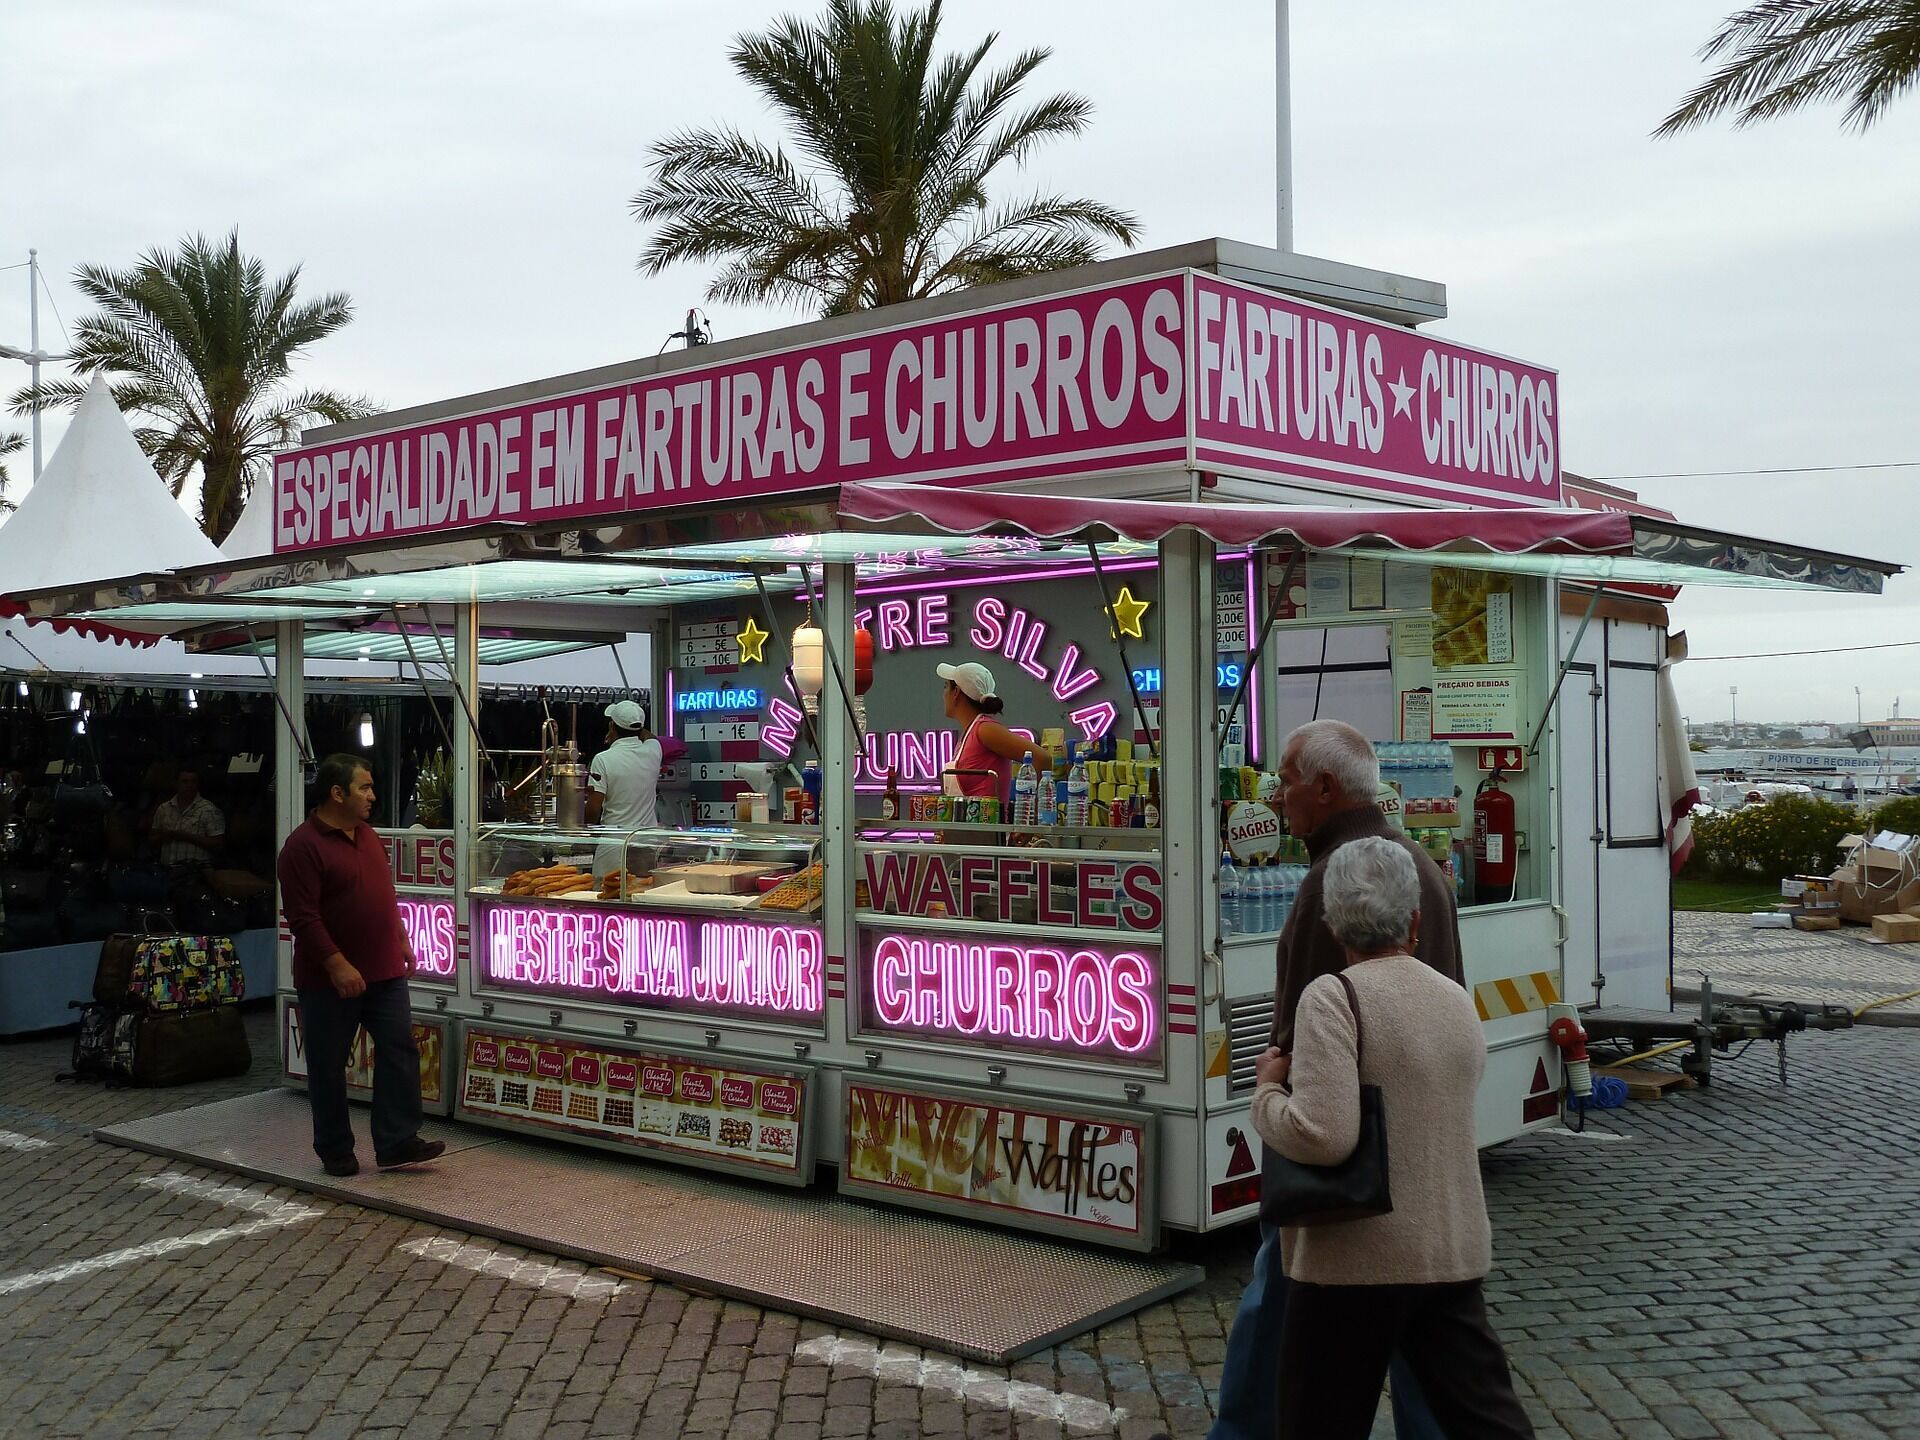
[(1120, 642), (1283, 125), (1533, 746), (33, 346), (1259, 648), (291, 753), (838, 829), (467, 753)]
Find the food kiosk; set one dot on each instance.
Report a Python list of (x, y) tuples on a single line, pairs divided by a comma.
[(1177, 504)]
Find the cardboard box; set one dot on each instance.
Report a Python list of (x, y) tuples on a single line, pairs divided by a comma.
[(1824, 902), (1792, 889), (1897, 929), (1771, 920), (1865, 893), (1816, 922)]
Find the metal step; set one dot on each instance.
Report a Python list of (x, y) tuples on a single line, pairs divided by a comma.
[(968, 1289)]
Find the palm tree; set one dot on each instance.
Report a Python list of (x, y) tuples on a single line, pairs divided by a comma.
[(11, 443), (884, 197), (203, 343), (1788, 53)]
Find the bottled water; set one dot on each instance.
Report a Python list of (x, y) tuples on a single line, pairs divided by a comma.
[(1077, 792), (1253, 897), (1230, 920), (1047, 807), (1025, 786)]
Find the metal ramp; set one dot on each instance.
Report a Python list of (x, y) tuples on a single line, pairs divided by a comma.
[(970, 1290)]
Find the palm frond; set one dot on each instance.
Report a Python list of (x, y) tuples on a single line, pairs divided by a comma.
[(881, 192), (1783, 55)]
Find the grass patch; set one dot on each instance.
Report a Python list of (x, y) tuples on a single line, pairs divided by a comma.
[(1730, 897)]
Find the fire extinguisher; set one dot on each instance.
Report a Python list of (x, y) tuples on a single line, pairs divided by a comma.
[(1495, 856)]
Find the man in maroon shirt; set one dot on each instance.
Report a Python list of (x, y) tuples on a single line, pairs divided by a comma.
[(351, 960)]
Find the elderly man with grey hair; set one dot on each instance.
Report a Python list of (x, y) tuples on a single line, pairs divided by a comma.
[(1330, 777), (1410, 1280)]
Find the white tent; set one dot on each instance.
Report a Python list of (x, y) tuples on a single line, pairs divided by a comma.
[(252, 534), (98, 512)]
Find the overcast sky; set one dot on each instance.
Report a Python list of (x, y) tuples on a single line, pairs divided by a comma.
[(1732, 300)]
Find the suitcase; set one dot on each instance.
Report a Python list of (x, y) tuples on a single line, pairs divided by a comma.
[(115, 968), (178, 1047), (93, 1044), (169, 972)]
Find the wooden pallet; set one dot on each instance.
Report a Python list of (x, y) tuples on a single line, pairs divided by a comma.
[(1647, 1084)]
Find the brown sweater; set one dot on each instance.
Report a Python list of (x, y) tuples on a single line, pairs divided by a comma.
[(1307, 948), (1423, 1047)]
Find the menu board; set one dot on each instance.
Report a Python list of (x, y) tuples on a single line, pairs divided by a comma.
[(1016, 1161), (697, 1109), (429, 1033), (1472, 618)]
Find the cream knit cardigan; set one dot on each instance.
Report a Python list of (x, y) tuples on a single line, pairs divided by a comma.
[(1425, 1051)]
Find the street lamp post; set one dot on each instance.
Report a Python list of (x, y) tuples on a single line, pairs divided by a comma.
[(1733, 692), (1283, 124), (34, 356)]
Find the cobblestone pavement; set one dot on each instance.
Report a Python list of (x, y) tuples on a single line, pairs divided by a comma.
[(1841, 967), (1742, 1261)]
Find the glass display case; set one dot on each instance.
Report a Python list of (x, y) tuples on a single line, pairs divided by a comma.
[(773, 869)]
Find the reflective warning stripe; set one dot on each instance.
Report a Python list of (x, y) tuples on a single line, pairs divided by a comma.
[(1516, 995)]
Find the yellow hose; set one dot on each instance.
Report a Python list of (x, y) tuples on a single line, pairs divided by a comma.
[(1887, 1000)]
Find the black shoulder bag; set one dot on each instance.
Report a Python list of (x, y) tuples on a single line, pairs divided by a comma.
[(1356, 1188)]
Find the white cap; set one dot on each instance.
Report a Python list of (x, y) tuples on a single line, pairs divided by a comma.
[(974, 679), (627, 714)]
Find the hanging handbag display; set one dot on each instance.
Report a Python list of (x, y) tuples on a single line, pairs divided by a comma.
[(1355, 1189)]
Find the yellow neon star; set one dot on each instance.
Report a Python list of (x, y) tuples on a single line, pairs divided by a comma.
[(751, 640), (1128, 612)]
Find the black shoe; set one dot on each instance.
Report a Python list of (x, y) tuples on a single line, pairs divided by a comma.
[(342, 1165), (416, 1151)]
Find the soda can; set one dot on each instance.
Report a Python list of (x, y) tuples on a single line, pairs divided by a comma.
[(974, 811), (990, 810), (943, 809)]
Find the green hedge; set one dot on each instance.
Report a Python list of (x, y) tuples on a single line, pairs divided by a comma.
[(1902, 815), (1788, 835)]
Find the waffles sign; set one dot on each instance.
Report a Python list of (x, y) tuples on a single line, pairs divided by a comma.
[(1072, 1172)]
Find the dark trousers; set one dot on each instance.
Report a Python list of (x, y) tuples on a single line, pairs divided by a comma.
[(1336, 1341), (327, 1024)]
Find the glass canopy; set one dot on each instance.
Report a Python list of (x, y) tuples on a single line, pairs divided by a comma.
[(1634, 569), (389, 647)]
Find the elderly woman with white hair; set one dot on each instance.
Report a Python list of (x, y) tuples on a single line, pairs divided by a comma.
[(1409, 1280)]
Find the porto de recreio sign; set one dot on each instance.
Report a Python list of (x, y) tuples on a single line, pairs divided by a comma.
[(1081, 384)]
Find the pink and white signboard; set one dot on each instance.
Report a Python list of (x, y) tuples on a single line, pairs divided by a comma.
[(1177, 370), (1067, 385), (1062, 998), (660, 961), (1288, 388)]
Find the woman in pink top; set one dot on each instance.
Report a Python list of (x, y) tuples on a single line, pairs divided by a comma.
[(983, 763)]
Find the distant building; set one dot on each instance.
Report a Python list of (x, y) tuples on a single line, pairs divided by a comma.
[(1894, 732)]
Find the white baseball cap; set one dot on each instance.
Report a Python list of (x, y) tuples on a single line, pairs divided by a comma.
[(627, 714), (974, 679)]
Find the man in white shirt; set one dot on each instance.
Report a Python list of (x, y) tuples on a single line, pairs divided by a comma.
[(188, 828), (623, 782)]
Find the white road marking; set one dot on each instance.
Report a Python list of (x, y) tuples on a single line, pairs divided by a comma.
[(11, 1141), (900, 1365), (250, 1198), (1567, 1134), (563, 1279), (271, 1214)]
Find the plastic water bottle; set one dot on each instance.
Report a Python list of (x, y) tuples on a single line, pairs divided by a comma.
[(1269, 897), (1025, 784), (1047, 802), (1078, 792), (1290, 878), (1230, 921), (1252, 898)]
